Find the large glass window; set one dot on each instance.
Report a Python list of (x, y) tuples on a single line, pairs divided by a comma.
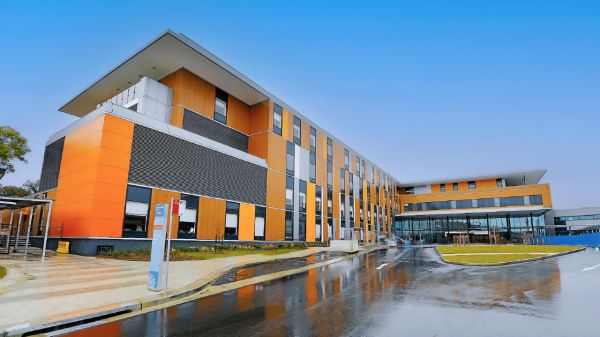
[(485, 202), (277, 118), (357, 166), (232, 213), (536, 199), (472, 185), (342, 181), (302, 227), (289, 226), (347, 159), (137, 206), (290, 157), (318, 212), (312, 172), (343, 210), (302, 195), (289, 193), (297, 132), (468, 203), (512, 201), (221, 106), (351, 184), (187, 221), (260, 214), (329, 203), (313, 140), (329, 149), (329, 174)]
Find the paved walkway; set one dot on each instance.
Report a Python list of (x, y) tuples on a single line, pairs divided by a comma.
[(69, 286)]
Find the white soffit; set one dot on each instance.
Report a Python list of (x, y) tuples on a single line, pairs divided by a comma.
[(164, 55)]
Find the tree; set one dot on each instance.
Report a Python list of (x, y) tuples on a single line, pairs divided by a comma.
[(32, 186), (14, 191), (13, 146)]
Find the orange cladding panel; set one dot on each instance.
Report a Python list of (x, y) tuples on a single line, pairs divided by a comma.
[(275, 227), (246, 222), (211, 219)]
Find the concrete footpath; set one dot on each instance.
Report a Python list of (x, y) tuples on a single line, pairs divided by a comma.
[(70, 288)]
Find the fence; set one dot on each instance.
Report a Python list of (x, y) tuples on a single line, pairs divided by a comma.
[(588, 239)]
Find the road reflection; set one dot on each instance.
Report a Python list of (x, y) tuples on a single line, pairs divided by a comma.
[(345, 297)]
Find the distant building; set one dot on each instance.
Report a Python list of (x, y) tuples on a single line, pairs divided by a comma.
[(507, 205), (573, 221)]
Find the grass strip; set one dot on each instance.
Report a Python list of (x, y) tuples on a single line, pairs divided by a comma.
[(2, 272), (504, 249)]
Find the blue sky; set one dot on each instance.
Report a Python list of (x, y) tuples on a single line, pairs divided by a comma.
[(425, 89)]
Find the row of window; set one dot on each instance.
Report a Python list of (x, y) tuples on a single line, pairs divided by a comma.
[(472, 185), (577, 217), (297, 139), (137, 211), (475, 203)]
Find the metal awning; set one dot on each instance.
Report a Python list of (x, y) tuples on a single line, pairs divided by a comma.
[(19, 202)]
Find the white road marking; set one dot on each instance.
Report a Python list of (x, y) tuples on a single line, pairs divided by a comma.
[(383, 265), (591, 268)]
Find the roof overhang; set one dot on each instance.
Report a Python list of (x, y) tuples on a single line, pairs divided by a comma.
[(19, 202), (165, 54), (523, 211), (512, 178)]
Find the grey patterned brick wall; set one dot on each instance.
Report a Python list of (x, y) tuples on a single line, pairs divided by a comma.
[(214, 130), (164, 161), (51, 165)]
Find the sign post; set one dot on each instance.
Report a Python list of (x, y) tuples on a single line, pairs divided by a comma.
[(177, 208), (158, 247)]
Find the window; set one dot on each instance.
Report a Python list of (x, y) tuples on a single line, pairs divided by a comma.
[(437, 205), (464, 203), (260, 214), (372, 174), (187, 221), (289, 226), (409, 190), (536, 199), (329, 203), (362, 169), (442, 187), (289, 164), (289, 193), (485, 202), (297, 133), (472, 185), (343, 210), (512, 201), (351, 184), (302, 195), (221, 106), (329, 174), (347, 159), (277, 118), (232, 213), (351, 211), (318, 208), (455, 186), (137, 206), (499, 182), (329, 149), (357, 166), (342, 181), (313, 140), (312, 172), (302, 227)]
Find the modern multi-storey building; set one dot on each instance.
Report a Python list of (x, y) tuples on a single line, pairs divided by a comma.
[(175, 121), (506, 205), (573, 221)]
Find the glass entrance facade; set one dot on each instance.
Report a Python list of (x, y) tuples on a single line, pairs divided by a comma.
[(441, 229)]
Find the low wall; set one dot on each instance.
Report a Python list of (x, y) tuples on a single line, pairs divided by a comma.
[(347, 246), (589, 239), (89, 246)]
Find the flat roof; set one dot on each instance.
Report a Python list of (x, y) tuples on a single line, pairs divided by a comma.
[(512, 178)]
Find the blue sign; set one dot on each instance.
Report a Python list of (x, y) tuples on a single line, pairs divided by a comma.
[(158, 247)]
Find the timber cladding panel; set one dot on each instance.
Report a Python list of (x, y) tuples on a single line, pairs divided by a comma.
[(167, 162), (162, 197), (211, 219), (51, 165), (275, 226)]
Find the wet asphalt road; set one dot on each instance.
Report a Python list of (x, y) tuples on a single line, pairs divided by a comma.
[(412, 295)]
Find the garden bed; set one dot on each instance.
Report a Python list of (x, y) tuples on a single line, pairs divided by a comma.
[(499, 254)]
